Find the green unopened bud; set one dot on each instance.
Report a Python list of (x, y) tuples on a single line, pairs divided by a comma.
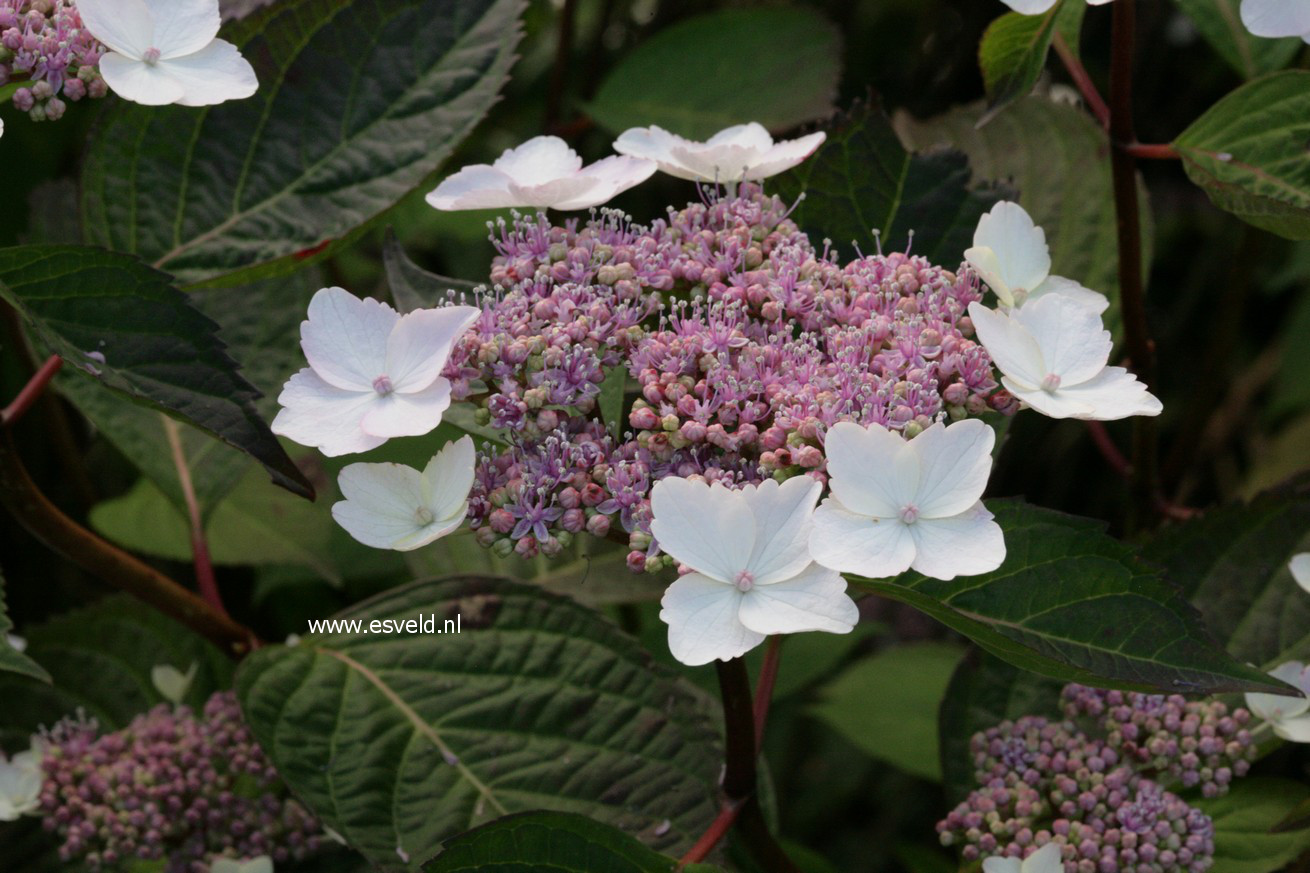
[(503, 548)]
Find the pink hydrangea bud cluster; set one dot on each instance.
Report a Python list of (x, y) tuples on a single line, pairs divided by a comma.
[(1197, 743), (745, 345), (174, 786), (43, 43)]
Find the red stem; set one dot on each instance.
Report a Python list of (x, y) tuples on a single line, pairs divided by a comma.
[(1152, 152), (764, 687), (32, 391), (717, 830), (205, 579), (1086, 86), (1105, 445)]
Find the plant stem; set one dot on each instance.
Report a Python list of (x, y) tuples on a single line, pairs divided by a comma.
[(1132, 296), (34, 388), (559, 75), (1105, 445), (34, 511), (1153, 152), (1095, 102), (205, 579), (764, 687)]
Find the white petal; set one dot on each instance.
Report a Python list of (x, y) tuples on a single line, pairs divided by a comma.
[(707, 527), (183, 27), (1274, 18), (850, 543), (1300, 567), (448, 479), (345, 338), (408, 414), (782, 527), (786, 154), (1029, 7), (171, 683), (813, 600), (1020, 245), (317, 414), (139, 82), (871, 470), (20, 786), (966, 545), (1296, 730), (654, 143), (214, 74), (1011, 347), (1074, 344), (1069, 288), (954, 463), (539, 160), (1277, 707), (1058, 404), (1113, 394), (1002, 865), (1047, 859), (420, 344), (125, 26), (988, 266), (751, 135), (609, 177), (702, 617), (716, 163), (384, 507), (479, 186), (547, 195)]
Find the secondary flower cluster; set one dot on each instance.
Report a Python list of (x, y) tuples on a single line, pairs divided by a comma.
[(45, 44), (174, 785), (1100, 793), (1268, 18)]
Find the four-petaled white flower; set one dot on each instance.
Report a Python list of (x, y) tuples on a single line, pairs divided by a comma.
[(1289, 715), (1300, 567), (392, 506), (543, 173), (1011, 255), (751, 570), (167, 51), (262, 864), (20, 783), (900, 504), (1036, 7), (1053, 355), (742, 152), (1275, 18), (373, 374), (1047, 859), (171, 683)]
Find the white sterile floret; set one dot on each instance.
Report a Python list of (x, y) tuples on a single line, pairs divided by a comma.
[(1276, 18), (741, 152), (1047, 859), (1288, 715), (1053, 355), (262, 864), (900, 504), (1010, 254), (543, 173), (373, 374), (167, 51), (1036, 7), (392, 506), (171, 683), (20, 783), (17, 643), (1300, 567), (752, 575)]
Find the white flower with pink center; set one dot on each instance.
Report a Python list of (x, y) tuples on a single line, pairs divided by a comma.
[(1047, 859), (744, 152), (751, 571), (373, 374), (1289, 714), (900, 504)]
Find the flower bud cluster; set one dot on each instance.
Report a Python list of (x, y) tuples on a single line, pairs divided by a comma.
[(43, 43), (1196, 743), (173, 785)]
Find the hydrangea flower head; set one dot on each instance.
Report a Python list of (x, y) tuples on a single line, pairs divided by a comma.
[(392, 506), (751, 571), (901, 504), (1053, 354), (20, 783), (373, 374), (1047, 859), (1277, 18), (1289, 715), (734, 154), (1011, 255), (543, 173), (167, 51)]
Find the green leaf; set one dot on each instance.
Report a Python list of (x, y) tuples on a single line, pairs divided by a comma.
[(1248, 153), (358, 104), (534, 841), (777, 66), (887, 704), (1243, 819), (862, 179), (1232, 563), (1071, 603), (1220, 22), (401, 742), (12, 660), (413, 287), (99, 659), (1056, 156), (123, 325), (985, 691), (1013, 51)]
